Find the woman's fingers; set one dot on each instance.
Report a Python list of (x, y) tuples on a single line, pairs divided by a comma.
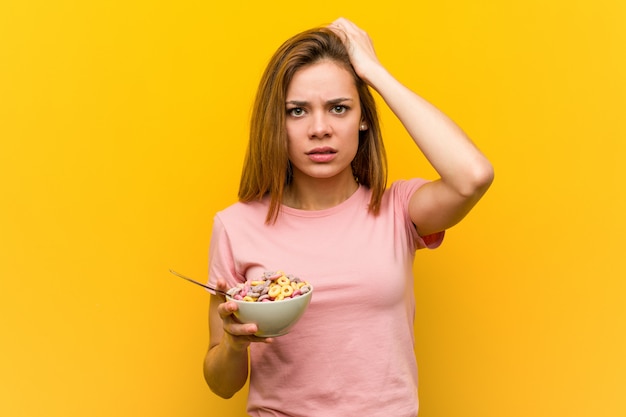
[(240, 333), (358, 43)]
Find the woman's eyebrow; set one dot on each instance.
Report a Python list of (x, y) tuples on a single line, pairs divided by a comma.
[(331, 101), (338, 100), (297, 102)]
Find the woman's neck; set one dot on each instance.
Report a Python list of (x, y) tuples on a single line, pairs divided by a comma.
[(318, 194)]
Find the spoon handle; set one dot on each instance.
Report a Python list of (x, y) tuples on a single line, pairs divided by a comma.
[(208, 287)]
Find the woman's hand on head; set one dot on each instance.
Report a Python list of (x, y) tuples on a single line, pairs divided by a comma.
[(359, 45)]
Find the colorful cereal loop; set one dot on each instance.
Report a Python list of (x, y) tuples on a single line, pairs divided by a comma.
[(274, 291), (286, 290)]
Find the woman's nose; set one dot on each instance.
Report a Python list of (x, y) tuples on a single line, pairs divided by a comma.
[(320, 127)]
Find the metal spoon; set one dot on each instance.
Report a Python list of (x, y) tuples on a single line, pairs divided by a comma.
[(209, 287)]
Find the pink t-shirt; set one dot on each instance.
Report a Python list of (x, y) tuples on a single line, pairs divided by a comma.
[(352, 351)]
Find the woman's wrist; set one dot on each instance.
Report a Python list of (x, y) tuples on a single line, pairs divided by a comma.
[(376, 77), (232, 346)]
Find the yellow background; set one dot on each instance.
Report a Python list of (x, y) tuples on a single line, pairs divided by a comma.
[(122, 129)]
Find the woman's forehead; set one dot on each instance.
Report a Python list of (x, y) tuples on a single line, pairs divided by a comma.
[(325, 78)]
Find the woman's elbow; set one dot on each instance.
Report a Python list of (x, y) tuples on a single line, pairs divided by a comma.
[(478, 179), (485, 176), (218, 389), (224, 395)]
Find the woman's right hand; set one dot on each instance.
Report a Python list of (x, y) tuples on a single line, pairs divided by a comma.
[(226, 362), (236, 335)]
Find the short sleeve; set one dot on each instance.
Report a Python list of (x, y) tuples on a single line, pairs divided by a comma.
[(432, 241), (221, 260)]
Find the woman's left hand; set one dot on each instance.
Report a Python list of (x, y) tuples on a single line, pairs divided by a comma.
[(359, 45)]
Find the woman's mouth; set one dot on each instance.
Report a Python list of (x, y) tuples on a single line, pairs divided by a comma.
[(322, 154)]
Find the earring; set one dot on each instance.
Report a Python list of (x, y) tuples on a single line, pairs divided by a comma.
[(363, 127)]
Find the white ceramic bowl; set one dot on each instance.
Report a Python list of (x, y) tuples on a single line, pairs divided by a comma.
[(273, 318)]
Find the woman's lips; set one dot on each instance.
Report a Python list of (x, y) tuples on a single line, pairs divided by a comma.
[(322, 154)]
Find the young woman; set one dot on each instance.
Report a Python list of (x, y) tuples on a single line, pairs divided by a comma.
[(314, 203)]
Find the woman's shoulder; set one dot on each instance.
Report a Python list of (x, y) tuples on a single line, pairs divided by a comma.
[(244, 209)]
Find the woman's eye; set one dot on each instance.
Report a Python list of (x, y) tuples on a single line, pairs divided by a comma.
[(339, 109), (296, 111)]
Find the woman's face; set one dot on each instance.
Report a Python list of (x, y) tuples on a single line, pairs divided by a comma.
[(323, 119)]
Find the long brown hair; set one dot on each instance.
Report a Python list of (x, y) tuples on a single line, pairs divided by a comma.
[(266, 168)]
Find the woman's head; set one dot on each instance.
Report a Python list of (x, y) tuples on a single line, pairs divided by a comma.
[(266, 167)]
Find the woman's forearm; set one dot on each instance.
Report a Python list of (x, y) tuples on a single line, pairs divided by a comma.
[(226, 369)]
